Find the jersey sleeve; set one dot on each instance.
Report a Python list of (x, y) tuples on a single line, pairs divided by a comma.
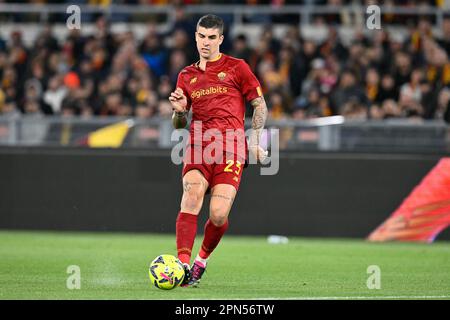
[(181, 84), (250, 86)]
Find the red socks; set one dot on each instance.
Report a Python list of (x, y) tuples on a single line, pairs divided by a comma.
[(186, 229), (212, 237)]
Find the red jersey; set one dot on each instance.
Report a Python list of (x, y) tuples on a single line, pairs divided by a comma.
[(217, 96)]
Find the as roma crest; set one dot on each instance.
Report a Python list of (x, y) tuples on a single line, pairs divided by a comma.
[(221, 75)]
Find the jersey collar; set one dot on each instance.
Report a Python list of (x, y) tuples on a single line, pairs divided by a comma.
[(215, 60), (211, 63)]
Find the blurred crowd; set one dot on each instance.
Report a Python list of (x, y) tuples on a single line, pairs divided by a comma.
[(104, 73)]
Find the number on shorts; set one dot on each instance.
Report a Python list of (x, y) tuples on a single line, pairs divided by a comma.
[(238, 165), (230, 163)]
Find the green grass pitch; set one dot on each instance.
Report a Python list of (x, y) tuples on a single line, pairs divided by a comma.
[(33, 265)]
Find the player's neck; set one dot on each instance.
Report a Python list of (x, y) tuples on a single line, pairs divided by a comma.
[(203, 61)]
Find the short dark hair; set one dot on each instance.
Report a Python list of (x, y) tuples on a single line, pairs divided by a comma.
[(211, 21)]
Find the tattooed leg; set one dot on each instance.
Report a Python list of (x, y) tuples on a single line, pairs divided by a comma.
[(222, 198), (194, 188)]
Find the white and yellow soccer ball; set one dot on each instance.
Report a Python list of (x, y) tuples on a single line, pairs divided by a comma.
[(166, 272)]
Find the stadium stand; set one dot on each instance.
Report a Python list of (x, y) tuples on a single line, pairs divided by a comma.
[(370, 76), (388, 89)]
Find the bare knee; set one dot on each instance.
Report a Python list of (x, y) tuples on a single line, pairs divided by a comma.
[(218, 214), (191, 202), (193, 194), (222, 198)]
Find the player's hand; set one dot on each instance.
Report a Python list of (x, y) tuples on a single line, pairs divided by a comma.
[(259, 153), (178, 100)]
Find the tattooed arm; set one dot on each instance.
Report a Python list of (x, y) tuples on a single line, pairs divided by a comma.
[(258, 121), (179, 120)]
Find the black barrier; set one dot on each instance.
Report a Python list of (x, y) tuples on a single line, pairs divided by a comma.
[(313, 195)]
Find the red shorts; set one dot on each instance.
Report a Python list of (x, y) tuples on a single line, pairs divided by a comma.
[(227, 171)]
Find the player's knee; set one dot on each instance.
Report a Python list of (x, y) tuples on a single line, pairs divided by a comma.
[(192, 205), (192, 201), (218, 214)]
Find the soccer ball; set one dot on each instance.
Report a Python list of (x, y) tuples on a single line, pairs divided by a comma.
[(166, 272)]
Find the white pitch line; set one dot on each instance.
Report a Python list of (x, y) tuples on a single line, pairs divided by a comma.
[(332, 298), (353, 298)]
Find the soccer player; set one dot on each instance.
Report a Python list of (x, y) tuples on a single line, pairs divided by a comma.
[(215, 89)]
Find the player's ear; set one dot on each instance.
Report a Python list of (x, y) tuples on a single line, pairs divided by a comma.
[(221, 39)]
